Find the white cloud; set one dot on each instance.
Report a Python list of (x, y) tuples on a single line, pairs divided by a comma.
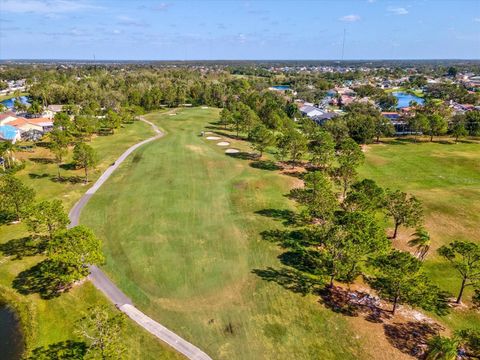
[(398, 10), (350, 18), (129, 21), (370, 1), (162, 7), (45, 6), (477, 19)]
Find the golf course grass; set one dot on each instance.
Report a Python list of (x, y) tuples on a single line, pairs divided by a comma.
[(52, 322), (446, 178), (181, 231)]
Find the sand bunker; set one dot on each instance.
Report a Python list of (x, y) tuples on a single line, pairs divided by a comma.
[(232, 151), (172, 114), (208, 133), (223, 143), (213, 138), (204, 107)]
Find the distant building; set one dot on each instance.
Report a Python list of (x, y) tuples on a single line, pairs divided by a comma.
[(6, 117), (40, 124), (321, 119), (310, 111), (391, 115), (51, 110)]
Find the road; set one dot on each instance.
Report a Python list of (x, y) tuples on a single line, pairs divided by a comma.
[(101, 281)]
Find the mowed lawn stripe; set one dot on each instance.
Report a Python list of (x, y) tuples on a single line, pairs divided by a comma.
[(182, 238)]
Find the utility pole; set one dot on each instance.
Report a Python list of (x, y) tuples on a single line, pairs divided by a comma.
[(343, 43)]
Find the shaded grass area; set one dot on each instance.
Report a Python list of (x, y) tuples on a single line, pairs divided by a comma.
[(49, 323), (446, 178), (182, 227)]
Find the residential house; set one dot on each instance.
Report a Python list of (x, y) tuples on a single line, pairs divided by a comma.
[(321, 119), (310, 111), (399, 123), (40, 124), (51, 110), (7, 117)]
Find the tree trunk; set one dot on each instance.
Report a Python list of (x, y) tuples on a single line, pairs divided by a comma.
[(86, 174), (431, 138), (58, 171), (396, 230), (459, 298), (344, 193), (395, 304), (17, 208), (330, 285)]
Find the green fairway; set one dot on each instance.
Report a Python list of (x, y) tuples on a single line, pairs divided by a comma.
[(53, 321), (182, 239), (446, 177)]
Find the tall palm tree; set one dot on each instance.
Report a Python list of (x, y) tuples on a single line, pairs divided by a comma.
[(422, 243), (7, 149), (442, 348)]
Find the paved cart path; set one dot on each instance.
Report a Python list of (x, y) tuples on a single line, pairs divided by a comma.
[(101, 281)]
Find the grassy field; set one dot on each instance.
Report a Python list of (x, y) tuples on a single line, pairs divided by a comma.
[(446, 177), (53, 320), (182, 238)]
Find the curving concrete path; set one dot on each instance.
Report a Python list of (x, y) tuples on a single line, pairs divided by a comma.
[(101, 281)]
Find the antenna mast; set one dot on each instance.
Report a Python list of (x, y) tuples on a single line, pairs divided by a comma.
[(343, 43)]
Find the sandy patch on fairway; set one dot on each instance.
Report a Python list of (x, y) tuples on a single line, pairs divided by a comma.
[(195, 148), (204, 107), (208, 132), (173, 114), (232, 151), (213, 138), (223, 143)]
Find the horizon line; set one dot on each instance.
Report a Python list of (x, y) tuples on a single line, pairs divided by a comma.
[(238, 60)]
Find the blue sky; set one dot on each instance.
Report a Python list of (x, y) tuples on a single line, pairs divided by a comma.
[(166, 30)]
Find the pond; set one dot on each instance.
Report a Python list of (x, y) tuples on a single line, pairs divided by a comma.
[(11, 339), (405, 98), (9, 102)]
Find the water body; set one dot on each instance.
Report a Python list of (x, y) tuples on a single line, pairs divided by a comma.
[(9, 102), (11, 339), (281, 87), (405, 98)]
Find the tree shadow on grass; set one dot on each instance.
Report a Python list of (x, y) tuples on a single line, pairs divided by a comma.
[(41, 279), (411, 337), (300, 259), (288, 239), (26, 246), (265, 165), (63, 350), (294, 173), (290, 279), (288, 217), (38, 176), (244, 155), (353, 303), (68, 179), (402, 141), (42, 160), (228, 135), (68, 166)]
